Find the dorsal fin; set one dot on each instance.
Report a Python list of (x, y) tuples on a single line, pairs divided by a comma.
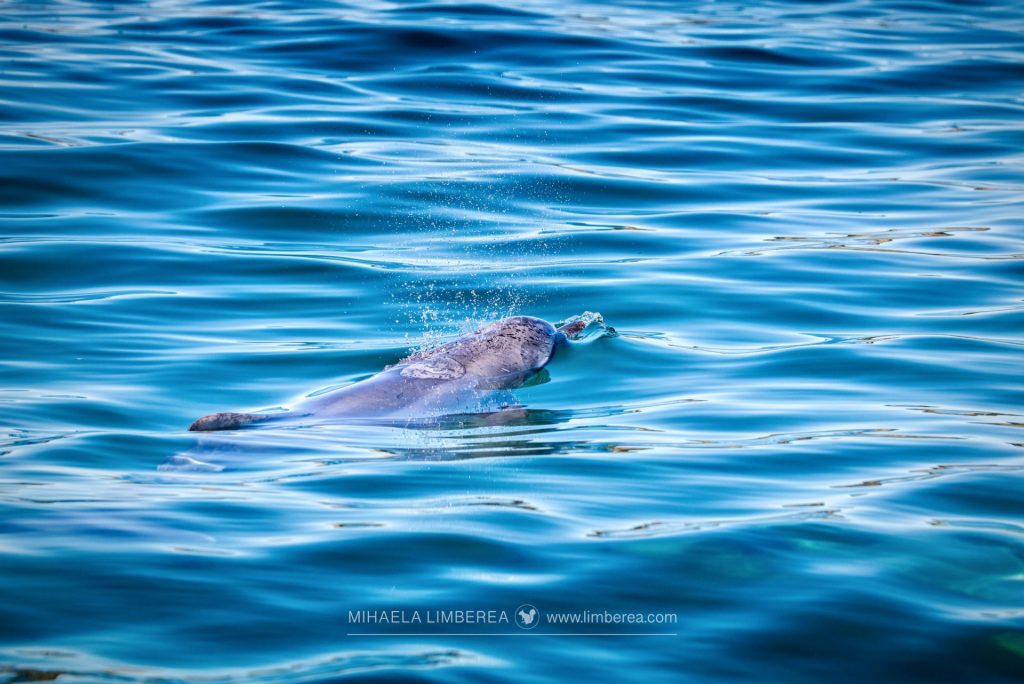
[(228, 421)]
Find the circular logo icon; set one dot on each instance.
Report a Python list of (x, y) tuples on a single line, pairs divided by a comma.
[(527, 616)]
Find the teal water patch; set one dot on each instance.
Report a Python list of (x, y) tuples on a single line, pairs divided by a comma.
[(790, 426)]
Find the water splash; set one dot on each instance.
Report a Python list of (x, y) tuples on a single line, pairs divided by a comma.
[(594, 326)]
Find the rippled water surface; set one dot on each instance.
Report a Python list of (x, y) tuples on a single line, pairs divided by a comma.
[(803, 438)]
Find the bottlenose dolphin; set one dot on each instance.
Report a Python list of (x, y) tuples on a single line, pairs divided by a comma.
[(452, 378)]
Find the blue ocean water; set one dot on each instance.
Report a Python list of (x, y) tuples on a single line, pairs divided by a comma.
[(801, 446)]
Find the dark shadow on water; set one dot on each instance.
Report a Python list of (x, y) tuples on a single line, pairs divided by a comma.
[(327, 669), (513, 431)]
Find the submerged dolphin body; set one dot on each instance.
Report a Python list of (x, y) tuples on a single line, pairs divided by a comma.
[(456, 377)]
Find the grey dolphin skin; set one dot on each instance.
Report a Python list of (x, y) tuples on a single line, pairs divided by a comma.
[(451, 378)]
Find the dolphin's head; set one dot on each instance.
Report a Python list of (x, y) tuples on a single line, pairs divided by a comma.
[(511, 348), (518, 344)]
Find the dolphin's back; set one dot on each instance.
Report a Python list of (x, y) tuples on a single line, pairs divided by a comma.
[(462, 376), (392, 394)]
